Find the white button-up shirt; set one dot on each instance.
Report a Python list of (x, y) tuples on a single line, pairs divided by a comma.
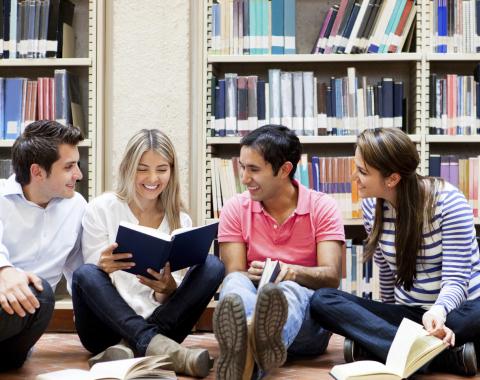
[(45, 241)]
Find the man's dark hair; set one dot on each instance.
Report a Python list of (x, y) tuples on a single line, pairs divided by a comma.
[(38, 144), (277, 144)]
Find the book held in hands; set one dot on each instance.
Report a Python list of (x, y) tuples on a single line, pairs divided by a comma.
[(411, 348), (270, 272), (150, 248), (151, 367)]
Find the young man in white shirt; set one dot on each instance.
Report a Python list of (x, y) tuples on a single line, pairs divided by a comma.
[(40, 225)]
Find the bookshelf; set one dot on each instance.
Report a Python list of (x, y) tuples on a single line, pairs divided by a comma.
[(413, 68), (86, 63)]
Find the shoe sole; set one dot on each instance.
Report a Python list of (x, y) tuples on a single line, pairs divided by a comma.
[(348, 350), (117, 352), (230, 328), (470, 360), (271, 313)]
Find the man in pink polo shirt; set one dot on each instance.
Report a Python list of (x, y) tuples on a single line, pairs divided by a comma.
[(276, 218)]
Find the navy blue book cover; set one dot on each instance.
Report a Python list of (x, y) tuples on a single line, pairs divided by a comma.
[(187, 248)]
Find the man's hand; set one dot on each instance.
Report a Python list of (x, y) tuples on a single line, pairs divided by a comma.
[(163, 285), (255, 271), (15, 295), (287, 273), (109, 262), (435, 325)]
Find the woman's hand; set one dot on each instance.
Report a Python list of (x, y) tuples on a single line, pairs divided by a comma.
[(109, 262), (163, 283), (435, 325)]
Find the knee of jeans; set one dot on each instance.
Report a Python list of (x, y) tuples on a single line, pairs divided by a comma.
[(297, 290), (215, 268), (84, 274), (322, 298), (46, 295)]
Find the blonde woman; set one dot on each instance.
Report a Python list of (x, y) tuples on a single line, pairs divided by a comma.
[(117, 314), (421, 234)]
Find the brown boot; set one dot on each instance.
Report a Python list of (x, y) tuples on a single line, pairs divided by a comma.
[(187, 361)]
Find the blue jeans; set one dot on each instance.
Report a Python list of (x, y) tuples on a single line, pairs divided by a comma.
[(301, 334), (103, 318), (374, 324), (18, 335)]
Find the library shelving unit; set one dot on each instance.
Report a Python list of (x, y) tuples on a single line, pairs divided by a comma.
[(413, 68), (87, 64)]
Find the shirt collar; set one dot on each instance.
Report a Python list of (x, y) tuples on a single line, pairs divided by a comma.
[(12, 187), (302, 202)]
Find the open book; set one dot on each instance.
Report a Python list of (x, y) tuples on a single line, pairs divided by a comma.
[(152, 367), (411, 348), (270, 272), (152, 249)]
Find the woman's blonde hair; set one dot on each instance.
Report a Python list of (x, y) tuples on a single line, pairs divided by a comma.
[(151, 140)]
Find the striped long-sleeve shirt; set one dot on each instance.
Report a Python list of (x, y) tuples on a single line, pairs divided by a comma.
[(448, 269)]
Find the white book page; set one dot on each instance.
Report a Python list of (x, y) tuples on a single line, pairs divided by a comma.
[(146, 230)]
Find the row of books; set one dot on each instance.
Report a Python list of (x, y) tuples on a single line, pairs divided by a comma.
[(455, 26), (358, 277), (330, 175), (462, 172), (454, 105), (366, 26), (36, 28), (253, 27), (24, 101), (298, 100)]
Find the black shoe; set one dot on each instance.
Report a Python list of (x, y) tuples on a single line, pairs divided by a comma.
[(353, 352), (462, 360)]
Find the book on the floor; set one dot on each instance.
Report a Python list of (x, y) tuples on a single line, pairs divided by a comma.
[(150, 248), (151, 367), (411, 348), (270, 272)]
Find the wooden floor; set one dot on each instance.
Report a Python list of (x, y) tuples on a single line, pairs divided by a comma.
[(58, 351)]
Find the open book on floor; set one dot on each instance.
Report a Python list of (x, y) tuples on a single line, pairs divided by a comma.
[(411, 348), (270, 272), (150, 248), (151, 367)]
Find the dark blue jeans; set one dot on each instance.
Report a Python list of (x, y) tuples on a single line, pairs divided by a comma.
[(18, 335), (373, 324), (103, 318)]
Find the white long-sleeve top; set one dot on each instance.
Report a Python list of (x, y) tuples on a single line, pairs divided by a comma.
[(100, 225), (45, 241)]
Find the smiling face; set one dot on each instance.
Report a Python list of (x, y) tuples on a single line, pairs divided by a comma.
[(153, 175), (371, 183), (257, 175), (64, 173)]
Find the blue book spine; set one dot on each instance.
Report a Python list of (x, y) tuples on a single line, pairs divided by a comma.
[(397, 104), (216, 28), (265, 23), (220, 108), (349, 27), (387, 98), (2, 107), (339, 103), (392, 23), (434, 165), (289, 13), (278, 39), (261, 99), (442, 26), (13, 107), (315, 173)]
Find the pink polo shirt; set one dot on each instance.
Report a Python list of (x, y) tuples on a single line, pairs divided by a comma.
[(315, 219)]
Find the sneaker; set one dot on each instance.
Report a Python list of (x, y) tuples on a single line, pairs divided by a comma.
[(271, 311), (230, 328), (353, 352), (118, 352)]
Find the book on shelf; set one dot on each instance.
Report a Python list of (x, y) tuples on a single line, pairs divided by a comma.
[(150, 248), (151, 367), (411, 348), (271, 270)]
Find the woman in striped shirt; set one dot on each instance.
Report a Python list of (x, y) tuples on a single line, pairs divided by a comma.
[(421, 234)]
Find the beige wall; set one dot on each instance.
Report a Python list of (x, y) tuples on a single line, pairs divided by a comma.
[(147, 77)]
